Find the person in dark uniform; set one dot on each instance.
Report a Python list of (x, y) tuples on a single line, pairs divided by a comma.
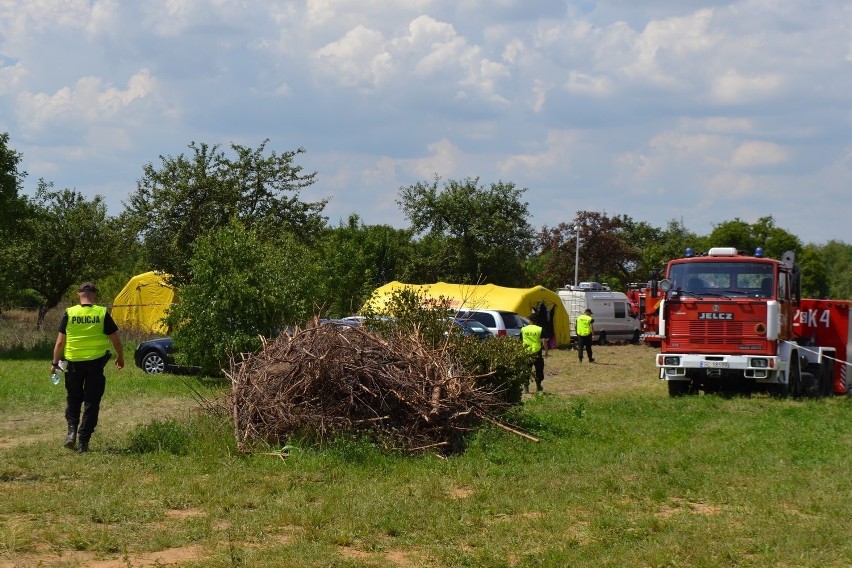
[(585, 334), (533, 344), (84, 338)]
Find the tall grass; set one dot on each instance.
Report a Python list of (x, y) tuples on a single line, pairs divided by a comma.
[(622, 476)]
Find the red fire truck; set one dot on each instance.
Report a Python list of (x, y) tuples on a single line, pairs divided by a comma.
[(735, 323), (647, 312)]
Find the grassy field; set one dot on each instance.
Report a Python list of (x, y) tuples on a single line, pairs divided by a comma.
[(622, 476)]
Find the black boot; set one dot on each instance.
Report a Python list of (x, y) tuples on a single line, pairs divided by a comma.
[(71, 439), (84, 445)]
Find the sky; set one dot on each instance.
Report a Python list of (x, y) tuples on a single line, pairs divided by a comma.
[(698, 111)]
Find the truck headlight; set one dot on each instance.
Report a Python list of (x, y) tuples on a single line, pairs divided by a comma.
[(758, 363), (670, 361)]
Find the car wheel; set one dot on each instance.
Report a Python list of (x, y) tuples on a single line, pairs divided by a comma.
[(153, 363)]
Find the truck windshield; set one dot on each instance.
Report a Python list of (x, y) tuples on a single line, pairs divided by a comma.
[(723, 278)]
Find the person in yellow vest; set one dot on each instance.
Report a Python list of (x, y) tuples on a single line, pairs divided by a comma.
[(84, 337), (533, 344), (585, 334)]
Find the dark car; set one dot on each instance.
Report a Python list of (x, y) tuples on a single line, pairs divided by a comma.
[(156, 356), (472, 328)]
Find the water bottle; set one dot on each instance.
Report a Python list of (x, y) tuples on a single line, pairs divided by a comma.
[(55, 378)]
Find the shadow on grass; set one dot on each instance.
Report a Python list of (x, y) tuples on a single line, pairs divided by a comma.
[(42, 350)]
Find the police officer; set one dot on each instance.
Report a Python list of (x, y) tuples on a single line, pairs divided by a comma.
[(533, 344), (585, 334), (84, 337)]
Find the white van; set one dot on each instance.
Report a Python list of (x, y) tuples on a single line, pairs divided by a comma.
[(614, 318)]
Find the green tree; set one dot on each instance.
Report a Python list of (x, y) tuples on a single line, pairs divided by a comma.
[(815, 282), (774, 240), (357, 259), (242, 286), (188, 197), (746, 238), (736, 233), (14, 211), (71, 239), (646, 242), (837, 259), (473, 233), (671, 243)]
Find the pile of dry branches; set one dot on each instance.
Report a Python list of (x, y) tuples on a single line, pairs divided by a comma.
[(330, 379)]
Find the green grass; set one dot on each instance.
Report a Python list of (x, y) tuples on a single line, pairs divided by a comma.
[(622, 476)]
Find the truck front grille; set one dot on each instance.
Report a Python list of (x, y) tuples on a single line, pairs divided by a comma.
[(710, 332)]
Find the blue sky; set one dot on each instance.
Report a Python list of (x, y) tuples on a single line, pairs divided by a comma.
[(699, 111)]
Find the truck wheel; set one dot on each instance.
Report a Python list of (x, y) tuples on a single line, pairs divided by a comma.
[(815, 386), (827, 377), (794, 383), (602, 338), (679, 388)]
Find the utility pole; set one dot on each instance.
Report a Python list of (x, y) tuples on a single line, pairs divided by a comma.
[(576, 254)]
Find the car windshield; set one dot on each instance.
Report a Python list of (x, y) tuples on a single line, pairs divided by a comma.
[(722, 278)]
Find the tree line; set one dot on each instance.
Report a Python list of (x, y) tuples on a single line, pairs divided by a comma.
[(250, 256)]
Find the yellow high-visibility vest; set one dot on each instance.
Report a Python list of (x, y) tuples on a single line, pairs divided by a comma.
[(584, 325), (531, 336), (85, 339)]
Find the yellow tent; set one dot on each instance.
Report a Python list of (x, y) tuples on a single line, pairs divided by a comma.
[(143, 302), (522, 301)]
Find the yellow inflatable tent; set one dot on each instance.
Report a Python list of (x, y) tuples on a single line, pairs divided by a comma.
[(522, 301), (143, 302)]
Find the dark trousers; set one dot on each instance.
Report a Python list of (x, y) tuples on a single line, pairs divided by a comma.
[(538, 368), (584, 342), (85, 384)]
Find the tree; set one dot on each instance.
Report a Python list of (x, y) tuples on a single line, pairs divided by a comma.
[(473, 233), (192, 196), (605, 252), (14, 210), (358, 258), (815, 283), (746, 238), (71, 239), (837, 259), (241, 286)]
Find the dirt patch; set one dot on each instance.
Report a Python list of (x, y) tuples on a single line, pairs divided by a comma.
[(399, 558), (679, 505), (460, 492), (179, 556)]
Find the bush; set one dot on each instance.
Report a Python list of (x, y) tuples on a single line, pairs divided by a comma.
[(502, 360)]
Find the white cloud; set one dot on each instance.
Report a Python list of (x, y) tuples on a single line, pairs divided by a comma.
[(758, 154), (557, 150), (583, 84), (443, 160), (88, 100), (11, 77), (356, 59), (735, 88)]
